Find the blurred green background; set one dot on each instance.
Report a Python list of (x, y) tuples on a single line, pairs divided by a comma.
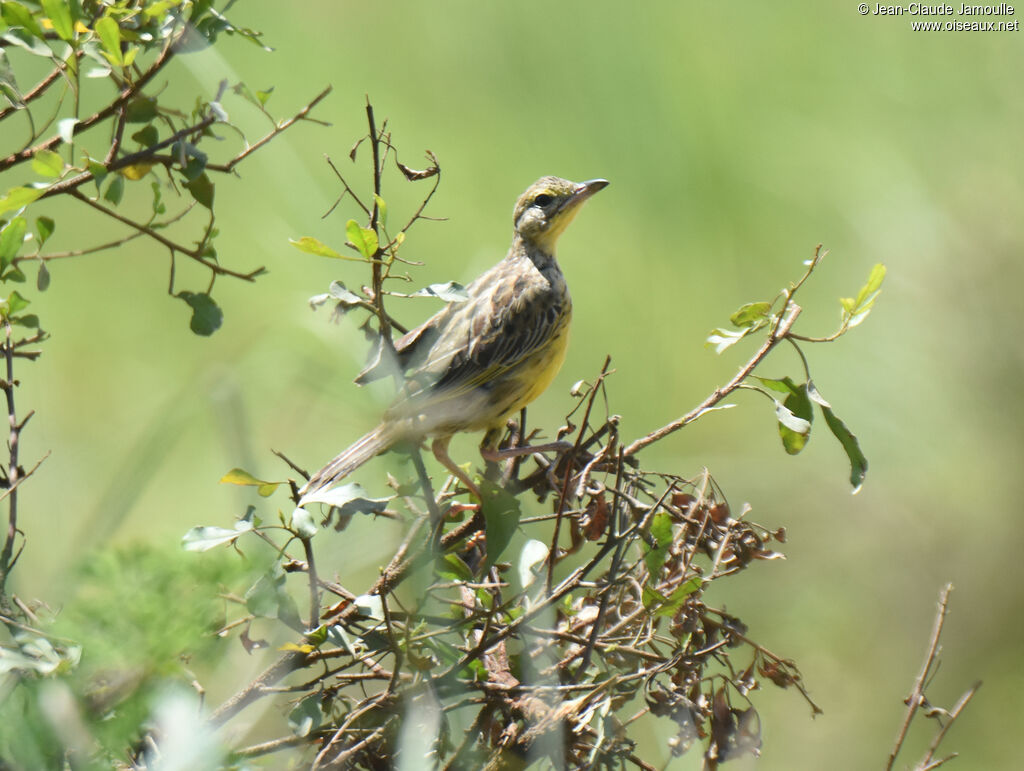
[(736, 137)]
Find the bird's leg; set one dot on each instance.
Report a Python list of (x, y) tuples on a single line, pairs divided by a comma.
[(440, 448), (490, 444)]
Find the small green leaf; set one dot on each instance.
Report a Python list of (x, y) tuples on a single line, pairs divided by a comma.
[(109, 33), (724, 338), (206, 538), (147, 136), (201, 189), (501, 519), (17, 15), (750, 314), (47, 163), (661, 532), (382, 211), (44, 229), (307, 716), (675, 600), (206, 315), (59, 12), (363, 239), (115, 190), (239, 476), (11, 238), (141, 109), (312, 245), (453, 568), (19, 197), (263, 96), (269, 598), (43, 277), (795, 426), (858, 462), (16, 303)]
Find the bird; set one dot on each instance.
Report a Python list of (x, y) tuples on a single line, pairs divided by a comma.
[(478, 361)]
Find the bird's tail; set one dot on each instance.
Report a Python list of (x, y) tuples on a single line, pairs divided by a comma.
[(360, 451)]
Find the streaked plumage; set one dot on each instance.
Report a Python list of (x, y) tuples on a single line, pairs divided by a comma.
[(475, 363)]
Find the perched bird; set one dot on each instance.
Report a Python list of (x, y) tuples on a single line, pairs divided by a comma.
[(477, 362)]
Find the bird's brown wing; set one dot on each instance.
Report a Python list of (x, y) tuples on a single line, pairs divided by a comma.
[(509, 319)]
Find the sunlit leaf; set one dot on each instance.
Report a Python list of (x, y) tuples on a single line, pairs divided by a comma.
[(44, 229), (47, 163), (66, 129), (17, 197), (382, 210), (110, 36), (312, 245), (724, 338), (136, 171), (661, 533), (59, 12), (11, 238), (363, 239), (206, 538), (750, 314), (17, 15), (450, 291), (303, 524), (239, 476), (348, 499), (534, 553)]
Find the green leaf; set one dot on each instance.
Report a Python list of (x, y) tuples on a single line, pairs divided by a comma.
[(17, 15), (855, 310), (15, 303), (501, 519), (269, 598), (750, 314), (206, 315), (43, 277), (47, 163), (661, 532), (109, 33), (239, 476), (784, 386), (312, 245), (796, 433), (19, 197), (29, 320), (201, 189), (206, 538), (44, 229), (115, 190), (307, 716), (141, 109), (59, 12), (382, 211), (348, 499), (363, 239), (453, 568), (858, 463), (147, 136), (724, 338), (674, 601), (11, 238)]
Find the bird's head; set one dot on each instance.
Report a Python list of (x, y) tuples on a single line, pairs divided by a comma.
[(548, 206)]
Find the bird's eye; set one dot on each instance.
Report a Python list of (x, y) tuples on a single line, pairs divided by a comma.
[(542, 200)]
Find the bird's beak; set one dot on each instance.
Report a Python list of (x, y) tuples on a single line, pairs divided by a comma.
[(586, 189)]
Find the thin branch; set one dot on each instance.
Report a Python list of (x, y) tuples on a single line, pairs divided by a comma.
[(776, 336), (916, 698), (100, 115)]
